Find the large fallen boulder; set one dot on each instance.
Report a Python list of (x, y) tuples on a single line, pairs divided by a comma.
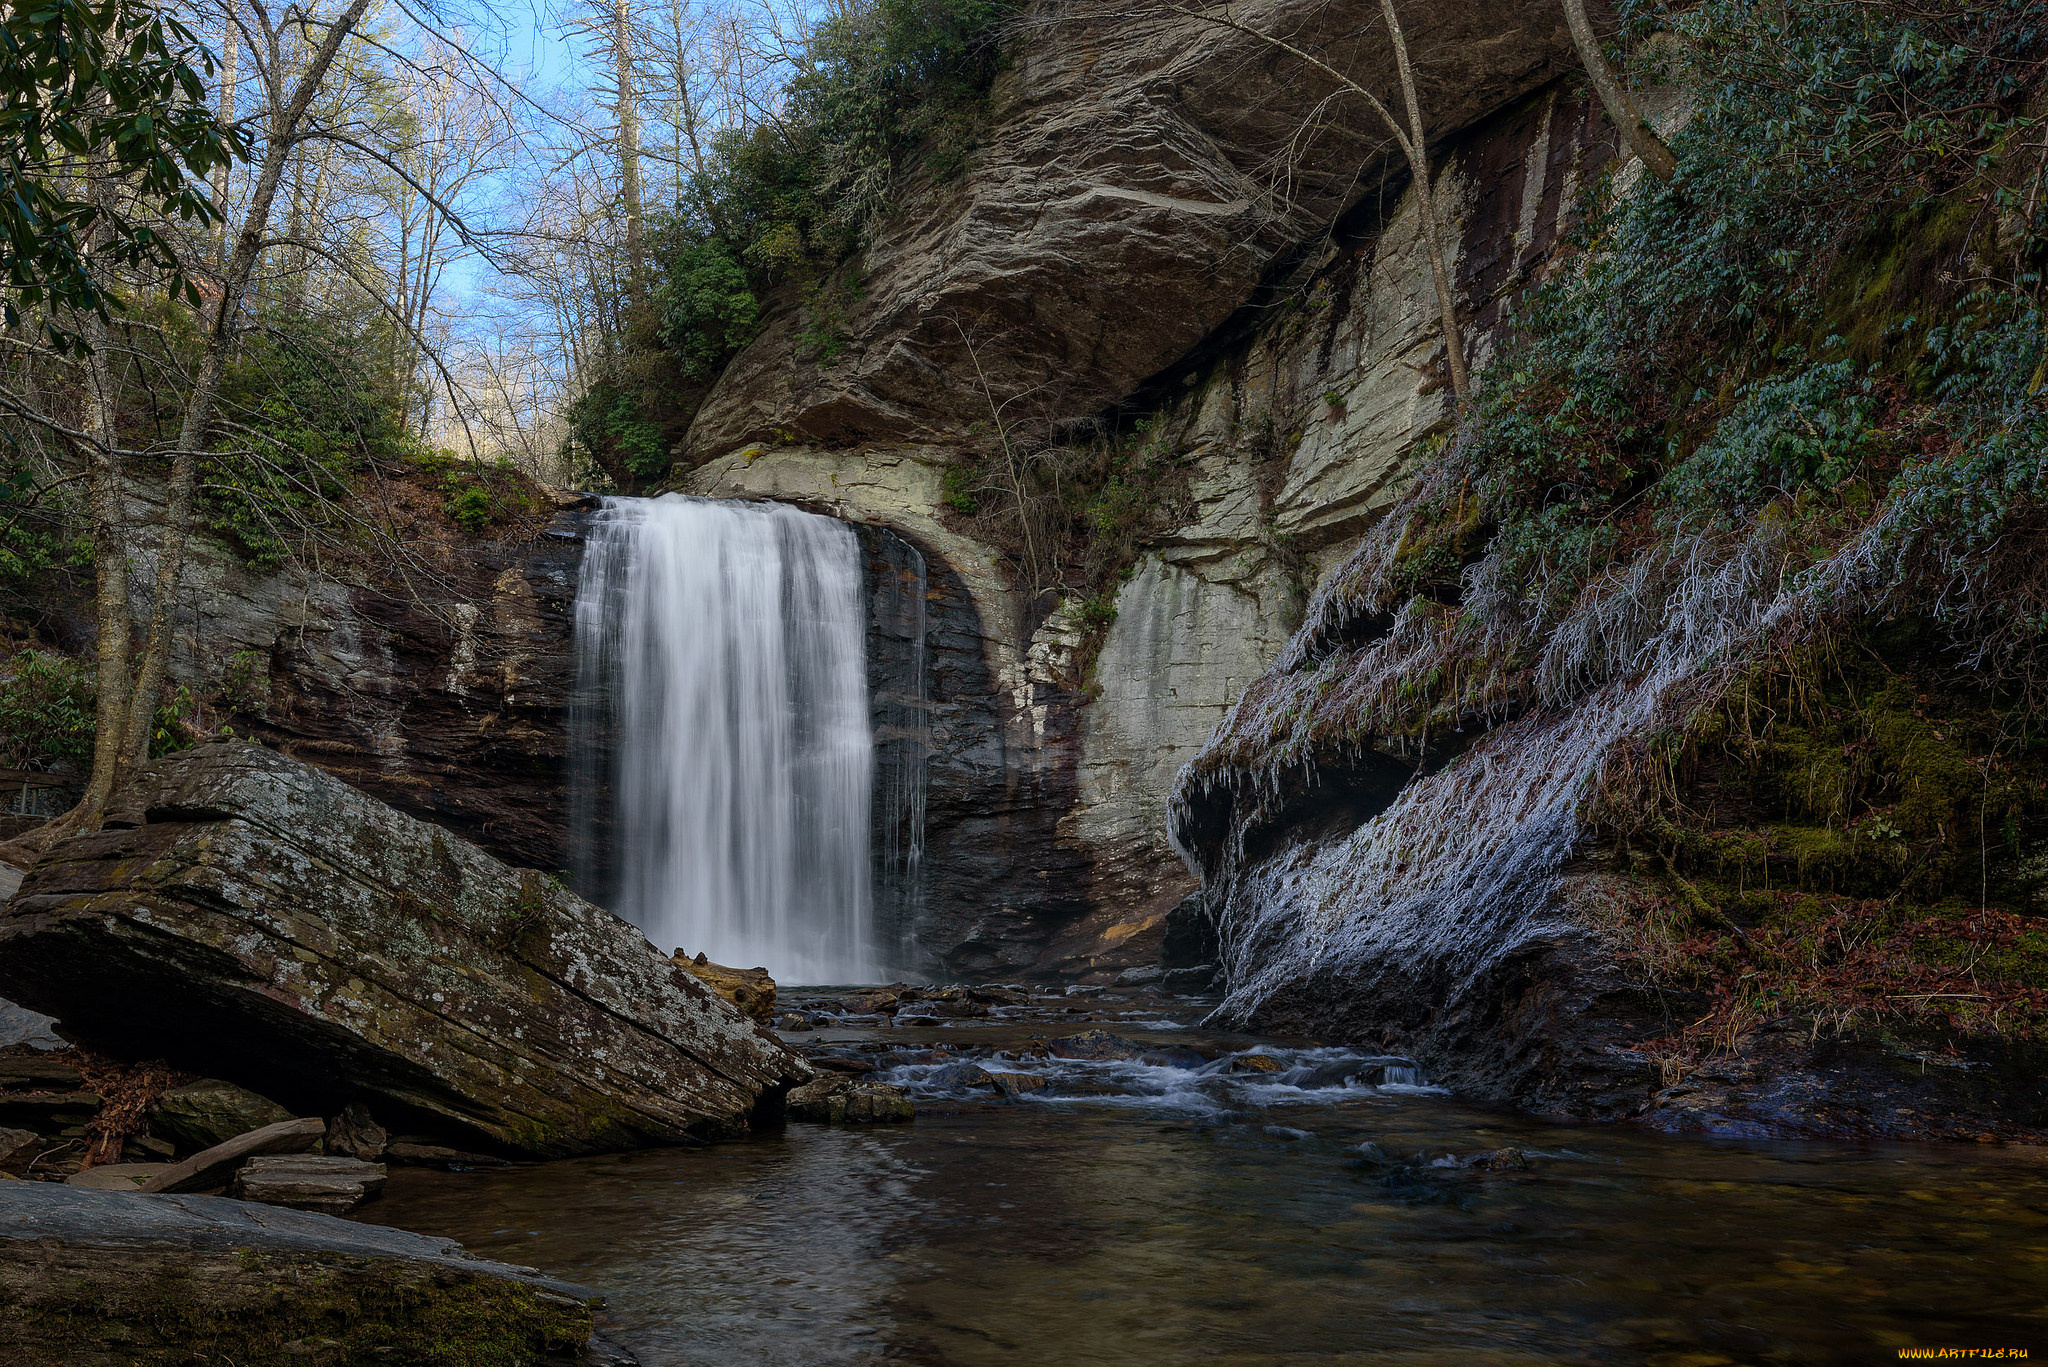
[(267, 924), (102, 1277)]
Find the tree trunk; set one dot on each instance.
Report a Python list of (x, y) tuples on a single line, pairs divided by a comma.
[(282, 137), (629, 128), (1635, 130), (107, 499), (1434, 229), (230, 51)]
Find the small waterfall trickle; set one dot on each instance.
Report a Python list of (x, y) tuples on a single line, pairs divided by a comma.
[(723, 726), (897, 668)]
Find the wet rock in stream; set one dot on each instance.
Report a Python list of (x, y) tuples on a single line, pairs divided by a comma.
[(839, 1099)]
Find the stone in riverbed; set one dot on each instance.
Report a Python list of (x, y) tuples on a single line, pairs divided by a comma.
[(412, 1152), (210, 1111), (322, 1182), (961, 1074), (839, 1098), (270, 924), (107, 1279), (1095, 1045), (750, 989), (116, 1176), (353, 1134), (1017, 1084)]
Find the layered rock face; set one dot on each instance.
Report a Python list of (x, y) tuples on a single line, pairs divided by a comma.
[(266, 923), (438, 680), (1145, 171), (1047, 848)]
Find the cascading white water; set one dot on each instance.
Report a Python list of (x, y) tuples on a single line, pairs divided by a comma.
[(721, 652)]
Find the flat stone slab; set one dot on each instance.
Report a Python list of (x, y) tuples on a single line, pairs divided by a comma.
[(116, 1176), (312, 1181), (270, 925), (97, 1278)]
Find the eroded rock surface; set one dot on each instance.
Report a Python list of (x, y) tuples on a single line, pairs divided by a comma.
[(1143, 174), (268, 923), (100, 1279)]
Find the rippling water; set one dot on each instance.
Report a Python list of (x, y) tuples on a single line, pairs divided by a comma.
[(1159, 1213)]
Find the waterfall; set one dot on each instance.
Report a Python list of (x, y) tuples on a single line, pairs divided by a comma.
[(723, 728)]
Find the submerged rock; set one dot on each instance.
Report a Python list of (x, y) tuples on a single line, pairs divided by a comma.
[(1096, 1045), (99, 1278), (210, 1111), (269, 924), (750, 989), (840, 1098), (1017, 1084)]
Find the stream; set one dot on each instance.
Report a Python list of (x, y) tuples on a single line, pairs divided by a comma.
[(1205, 1197)]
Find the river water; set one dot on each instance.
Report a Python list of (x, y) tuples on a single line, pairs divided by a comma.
[(1182, 1208)]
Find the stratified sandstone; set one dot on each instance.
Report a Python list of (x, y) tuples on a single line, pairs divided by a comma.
[(270, 924), (1145, 171)]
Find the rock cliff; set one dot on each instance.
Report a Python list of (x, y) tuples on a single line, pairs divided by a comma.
[(1293, 418), (1145, 171), (1141, 229)]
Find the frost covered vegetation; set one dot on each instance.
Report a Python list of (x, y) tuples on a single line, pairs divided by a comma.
[(1745, 535)]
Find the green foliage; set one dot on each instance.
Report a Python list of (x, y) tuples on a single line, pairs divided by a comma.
[(33, 529), (1787, 321), (960, 490), (46, 710), (705, 304), (1809, 428), (117, 84), (469, 503), (607, 421), (307, 418), (477, 495)]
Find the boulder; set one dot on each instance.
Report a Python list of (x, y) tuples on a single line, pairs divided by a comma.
[(210, 1111), (750, 989), (267, 923), (311, 1181), (1017, 1084), (839, 1098), (101, 1278), (353, 1134)]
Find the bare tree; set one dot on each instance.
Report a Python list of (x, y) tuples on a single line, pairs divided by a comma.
[(1636, 133), (1414, 145)]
